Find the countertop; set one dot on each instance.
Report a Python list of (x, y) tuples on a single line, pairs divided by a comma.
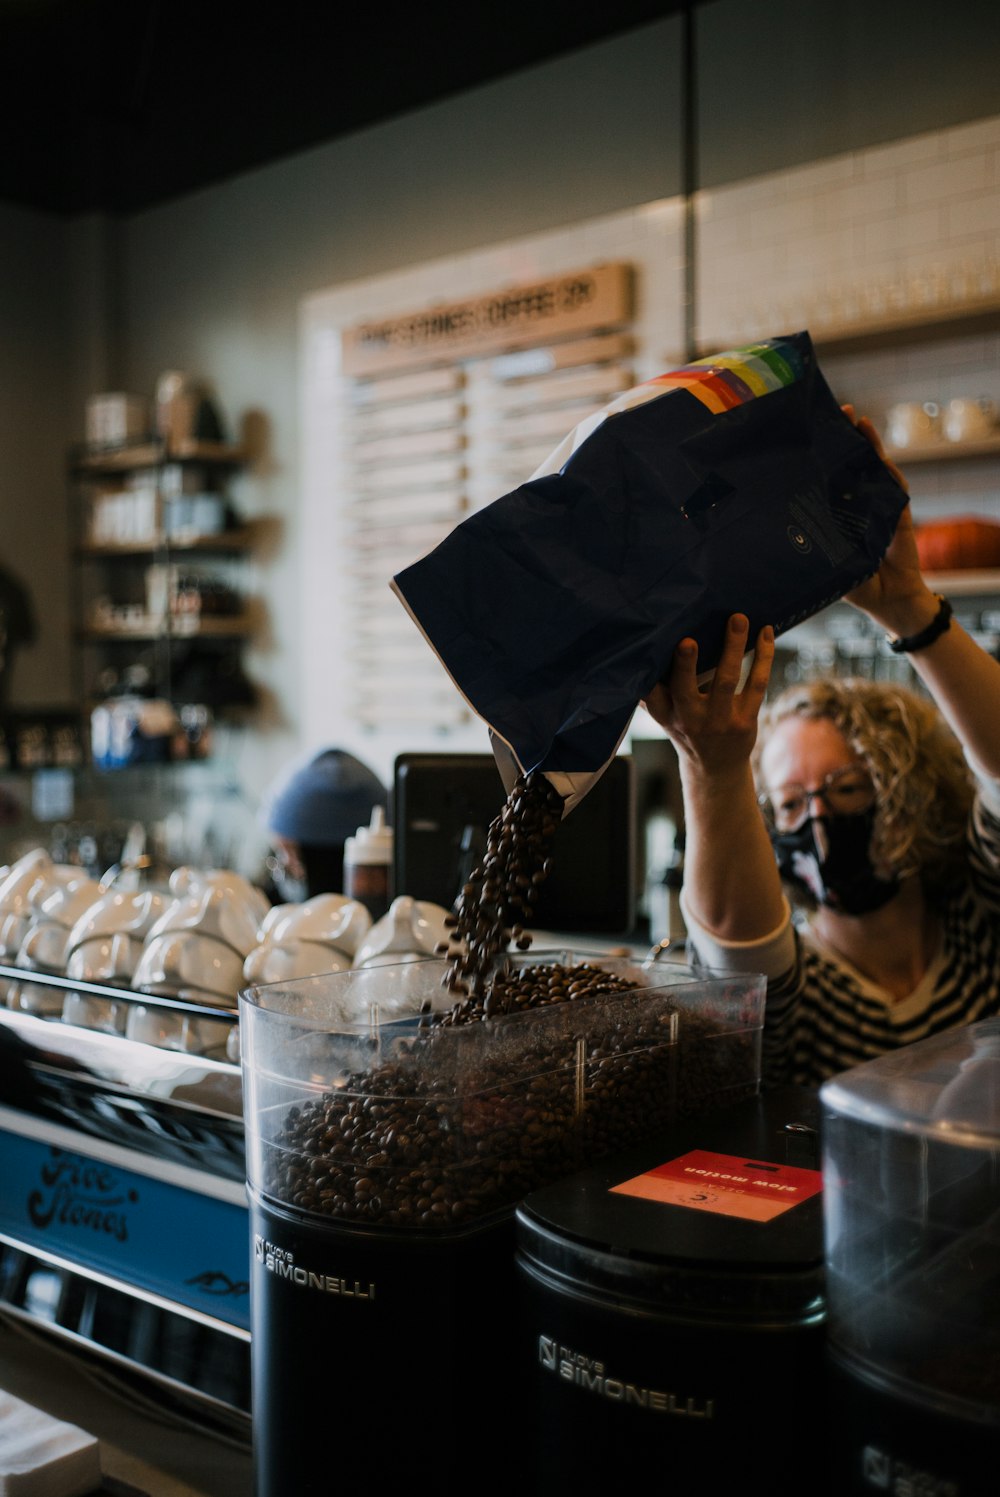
[(144, 1449)]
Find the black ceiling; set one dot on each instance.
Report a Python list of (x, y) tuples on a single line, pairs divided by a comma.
[(116, 105)]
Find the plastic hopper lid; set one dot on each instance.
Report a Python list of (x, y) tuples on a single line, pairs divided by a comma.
[(945, 1086)]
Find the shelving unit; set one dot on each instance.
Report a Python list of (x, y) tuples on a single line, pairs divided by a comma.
[(894, 329), (160, 565)]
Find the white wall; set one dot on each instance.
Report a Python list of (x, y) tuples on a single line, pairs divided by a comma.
[(860, 237)]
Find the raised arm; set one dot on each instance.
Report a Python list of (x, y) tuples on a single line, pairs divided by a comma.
[(961, 677), (731, 882)]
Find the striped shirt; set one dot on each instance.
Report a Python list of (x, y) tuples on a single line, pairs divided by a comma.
[(822, 1016)]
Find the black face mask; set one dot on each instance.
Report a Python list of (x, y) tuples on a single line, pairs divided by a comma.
[(829, 856)]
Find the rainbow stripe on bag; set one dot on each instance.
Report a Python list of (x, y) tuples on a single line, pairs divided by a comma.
[(721, 382), (729, 379)]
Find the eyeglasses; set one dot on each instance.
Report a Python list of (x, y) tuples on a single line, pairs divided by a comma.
[(844, 792)]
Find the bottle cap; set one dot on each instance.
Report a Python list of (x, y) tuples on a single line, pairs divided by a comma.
[(372, 843)]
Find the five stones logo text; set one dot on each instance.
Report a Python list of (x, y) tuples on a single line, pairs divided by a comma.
[(77, 1192)]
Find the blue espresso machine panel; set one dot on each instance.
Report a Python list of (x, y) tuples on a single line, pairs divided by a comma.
[(124, 1225)]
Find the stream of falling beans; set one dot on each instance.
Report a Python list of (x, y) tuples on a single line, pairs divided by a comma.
[(382, 1147), (498, 898)]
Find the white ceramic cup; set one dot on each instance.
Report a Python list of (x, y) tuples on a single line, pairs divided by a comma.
[(411, 929), (32, 998), (155, 1026), (110, 958), (119, 911), (208, 1037), (29, 883), (187, 959), (170, 1029), (330, 919), (913, 424), (45, 948), (968, 420), (282, 961), (67, 902), (88, 1012), (13, 929), (225, 910)]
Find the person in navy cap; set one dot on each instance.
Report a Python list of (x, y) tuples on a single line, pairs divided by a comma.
[(309, 813)]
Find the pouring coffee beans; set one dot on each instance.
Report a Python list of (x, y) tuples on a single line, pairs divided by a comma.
[(497, 900), (433, 1131)]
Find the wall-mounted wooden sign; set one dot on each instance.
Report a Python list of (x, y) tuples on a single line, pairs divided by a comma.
[(517, 317)]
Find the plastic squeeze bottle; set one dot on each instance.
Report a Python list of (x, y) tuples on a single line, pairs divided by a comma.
[(368, 864)]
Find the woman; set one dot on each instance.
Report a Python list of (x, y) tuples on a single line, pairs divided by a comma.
[(880, 811)]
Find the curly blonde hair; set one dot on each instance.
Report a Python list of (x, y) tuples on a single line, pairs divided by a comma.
[(923, 785)]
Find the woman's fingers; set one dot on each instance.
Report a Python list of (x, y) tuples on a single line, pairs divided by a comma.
[(760, 668), (727, 674), (715, 726), (682, 688), (868, 429), (657, 704), (683, 677)]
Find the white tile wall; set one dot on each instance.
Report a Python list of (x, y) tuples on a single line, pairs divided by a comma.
[(896, 226)]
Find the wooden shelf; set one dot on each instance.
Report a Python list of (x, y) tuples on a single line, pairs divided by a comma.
[(154, 454), (923, 325), (237, 541), (964, 584), (209, 627), (944, 451)]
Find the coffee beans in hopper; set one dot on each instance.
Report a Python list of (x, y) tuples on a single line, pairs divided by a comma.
[(443, 1132)]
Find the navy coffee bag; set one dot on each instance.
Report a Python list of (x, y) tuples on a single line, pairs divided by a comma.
[(733, 484)]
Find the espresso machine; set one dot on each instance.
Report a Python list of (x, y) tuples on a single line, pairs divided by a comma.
[(123, 1217)]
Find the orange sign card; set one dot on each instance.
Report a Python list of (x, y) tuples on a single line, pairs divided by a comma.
[(725, 1184)]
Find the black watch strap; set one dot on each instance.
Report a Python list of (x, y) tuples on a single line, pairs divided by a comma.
[(937, 626)]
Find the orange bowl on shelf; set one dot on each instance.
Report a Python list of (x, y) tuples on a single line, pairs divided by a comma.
[(962, 543)]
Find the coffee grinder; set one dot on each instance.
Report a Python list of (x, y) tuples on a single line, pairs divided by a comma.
[(911, 1165), (385, 1157), (671, 1308)]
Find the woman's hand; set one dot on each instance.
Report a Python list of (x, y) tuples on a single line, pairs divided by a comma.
[(897, 597), (962, 678), (715, 728), (731, 883), (867, 429)]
